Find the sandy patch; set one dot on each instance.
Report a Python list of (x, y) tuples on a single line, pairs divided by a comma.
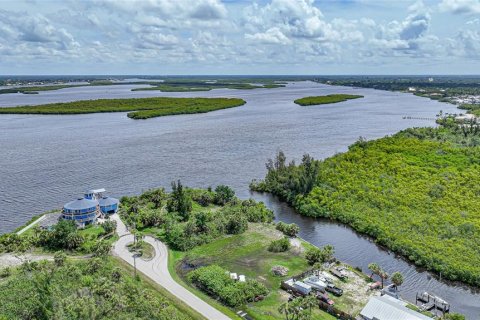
[(13, 260)]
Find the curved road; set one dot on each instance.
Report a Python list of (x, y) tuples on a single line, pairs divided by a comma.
[(157, 270)]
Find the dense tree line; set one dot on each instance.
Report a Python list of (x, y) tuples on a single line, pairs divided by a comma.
[(89, 289), (415, 192), (63, 236)]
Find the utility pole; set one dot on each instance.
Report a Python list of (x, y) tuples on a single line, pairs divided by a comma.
[(134, 249)]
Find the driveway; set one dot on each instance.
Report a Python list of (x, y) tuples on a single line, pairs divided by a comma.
[(157, 270)]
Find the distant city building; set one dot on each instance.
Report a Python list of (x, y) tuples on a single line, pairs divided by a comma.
[(86, 210), (430, 79)]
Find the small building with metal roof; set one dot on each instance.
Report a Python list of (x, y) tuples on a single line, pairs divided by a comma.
[(388, 308), (95, 194)]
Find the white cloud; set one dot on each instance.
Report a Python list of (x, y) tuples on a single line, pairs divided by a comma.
[(271, 36), (460, 6), (210, 33), (293, 18)]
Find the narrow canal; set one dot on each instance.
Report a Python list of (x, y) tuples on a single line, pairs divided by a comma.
[(359, 251)]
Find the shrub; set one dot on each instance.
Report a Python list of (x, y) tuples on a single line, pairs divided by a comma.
[(236, 225), (216, 282), (5, 272), (313, 255), (59, 258), (223, 194), (109, 226), (280, 245), (316, 255), (290, 230)]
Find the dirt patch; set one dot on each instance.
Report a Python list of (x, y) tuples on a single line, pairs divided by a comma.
[(297, 247), (13, 260), (356, 292)]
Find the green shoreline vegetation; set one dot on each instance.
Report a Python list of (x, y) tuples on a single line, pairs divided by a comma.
[(96, 288), (415, 192), (140, 108), (331, 98)]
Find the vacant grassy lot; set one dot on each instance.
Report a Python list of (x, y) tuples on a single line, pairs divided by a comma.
[(247, 254), (142, 108), (331, 98)]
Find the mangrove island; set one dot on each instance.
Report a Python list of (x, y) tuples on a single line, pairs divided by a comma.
[(140, 108), (331, 98)]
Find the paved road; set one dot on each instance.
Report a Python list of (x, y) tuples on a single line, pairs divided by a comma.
[(31, 224), (157, 270)]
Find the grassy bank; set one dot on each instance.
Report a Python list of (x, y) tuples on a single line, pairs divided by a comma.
[(141, 108), (415, 193), (247, 254), (331, 98), (83, 289)]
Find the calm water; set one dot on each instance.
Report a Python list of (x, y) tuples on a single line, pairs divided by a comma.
[(48, 160)]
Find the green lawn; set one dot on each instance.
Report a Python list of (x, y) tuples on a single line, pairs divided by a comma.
[(144, 249), (331, 98), (247, 254)]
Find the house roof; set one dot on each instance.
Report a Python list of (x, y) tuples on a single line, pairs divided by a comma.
[(80, 204), (387, 308), (107, 201)]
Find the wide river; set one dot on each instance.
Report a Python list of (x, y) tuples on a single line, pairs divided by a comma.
[(49, 160)]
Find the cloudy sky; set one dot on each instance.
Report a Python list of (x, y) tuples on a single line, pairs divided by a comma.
[(240, 37)]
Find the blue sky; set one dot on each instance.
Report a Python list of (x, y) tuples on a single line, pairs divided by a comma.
[(240, 37)]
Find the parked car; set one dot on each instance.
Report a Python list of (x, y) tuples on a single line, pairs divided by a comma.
[(326, 299), (315, 283), (334, 290)]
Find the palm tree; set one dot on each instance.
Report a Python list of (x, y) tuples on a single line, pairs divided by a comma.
[(383, 275), (309, 302), (328, 252), (397, 279), (285, 309), (375, 268)]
